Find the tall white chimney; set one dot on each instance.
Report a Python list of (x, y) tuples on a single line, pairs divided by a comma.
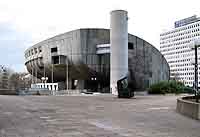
[(119, 48)]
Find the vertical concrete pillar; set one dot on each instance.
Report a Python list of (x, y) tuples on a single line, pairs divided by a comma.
[(119, 48)]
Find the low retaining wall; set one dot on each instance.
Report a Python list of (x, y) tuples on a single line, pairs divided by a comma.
[(7, 92), (49, 92), (68, 92), (33, 92), (188, 108)]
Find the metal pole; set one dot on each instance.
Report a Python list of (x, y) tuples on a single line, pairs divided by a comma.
[(52, 80), (44, 72), (32, 76), (67, 73), (36, 75), (52, 75), (24, 80), (196, 73), (44, 75)]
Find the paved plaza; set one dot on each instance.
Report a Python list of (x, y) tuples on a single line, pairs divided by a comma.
[(94, 116)]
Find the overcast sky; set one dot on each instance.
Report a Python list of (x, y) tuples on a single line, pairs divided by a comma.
[(27, 22)]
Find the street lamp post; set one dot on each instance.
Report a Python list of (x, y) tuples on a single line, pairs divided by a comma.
[(32, 76), (36, 75), (52, 74), (195, 48), (44, 79), (67, 73), (196, 72)]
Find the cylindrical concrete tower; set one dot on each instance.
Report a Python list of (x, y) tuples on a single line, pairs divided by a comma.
[(119, 48)]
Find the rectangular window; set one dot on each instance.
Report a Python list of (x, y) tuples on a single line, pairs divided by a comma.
[(35, 50), (55, 59), (130, 45), (32, 52), (54, 50), (40, 49)]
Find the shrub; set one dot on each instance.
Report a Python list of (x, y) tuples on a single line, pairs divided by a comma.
[(189, 90), (157, 88), (164, 87)]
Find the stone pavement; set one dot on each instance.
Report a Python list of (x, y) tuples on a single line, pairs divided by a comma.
[(93, 116)]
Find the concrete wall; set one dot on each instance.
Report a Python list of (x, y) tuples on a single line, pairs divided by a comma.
[(66, 44), (188, 108), (7, 92), (146, 64)]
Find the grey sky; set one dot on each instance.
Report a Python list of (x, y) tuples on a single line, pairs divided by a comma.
[(26, 22)]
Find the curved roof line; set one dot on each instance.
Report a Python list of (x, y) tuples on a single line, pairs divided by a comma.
[(81, 29), (64, 34), (85, 29), (93, 29)]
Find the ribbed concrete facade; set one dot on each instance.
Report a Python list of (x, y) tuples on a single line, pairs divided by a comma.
[(87, 69)]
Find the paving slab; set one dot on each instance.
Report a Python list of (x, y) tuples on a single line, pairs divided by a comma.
[(94, 116)]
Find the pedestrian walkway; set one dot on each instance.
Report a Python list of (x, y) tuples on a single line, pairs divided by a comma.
[(94, 116)]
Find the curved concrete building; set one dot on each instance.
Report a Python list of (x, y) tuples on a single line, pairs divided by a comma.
[(80, 59)]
